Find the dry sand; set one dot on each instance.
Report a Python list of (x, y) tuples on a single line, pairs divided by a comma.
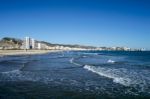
[(24, 52)]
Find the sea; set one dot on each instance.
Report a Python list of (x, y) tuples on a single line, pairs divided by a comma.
[(76, 75)]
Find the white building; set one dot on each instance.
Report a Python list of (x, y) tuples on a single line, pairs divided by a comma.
[(27, 43), (39, 45), (33, 43), (127, 49)]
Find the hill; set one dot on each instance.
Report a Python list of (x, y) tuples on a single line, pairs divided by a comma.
[(10, 43)]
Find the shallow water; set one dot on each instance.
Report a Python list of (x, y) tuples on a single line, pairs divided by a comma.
[(71, 75)]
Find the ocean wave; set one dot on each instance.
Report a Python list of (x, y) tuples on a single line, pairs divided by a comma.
[(123, 76), (84, 56), (13, 71), (110, 61), (91, 53), (46, 78), (108, 73), (17, 75), (13, 75), (72, 62)]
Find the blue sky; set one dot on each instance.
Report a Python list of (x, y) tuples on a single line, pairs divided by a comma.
[(86, 22)]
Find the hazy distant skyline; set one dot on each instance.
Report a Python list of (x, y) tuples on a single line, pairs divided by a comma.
[(87, 22)]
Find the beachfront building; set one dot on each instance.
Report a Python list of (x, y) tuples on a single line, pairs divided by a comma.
[(27, 43), (33, 43), (39, 46), (42, 46), (127, 49)]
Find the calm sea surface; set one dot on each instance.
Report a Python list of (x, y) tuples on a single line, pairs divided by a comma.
[(76, 75)]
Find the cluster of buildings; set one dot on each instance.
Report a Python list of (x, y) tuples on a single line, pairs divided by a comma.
[(114, 48), (118, 49), (30, 43)]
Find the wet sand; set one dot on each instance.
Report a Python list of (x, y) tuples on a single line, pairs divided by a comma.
[(24, 52)]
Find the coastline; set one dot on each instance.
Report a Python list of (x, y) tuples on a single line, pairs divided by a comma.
[(24, 52)]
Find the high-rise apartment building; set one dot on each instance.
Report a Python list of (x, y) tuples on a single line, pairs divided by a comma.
[(27, 43)]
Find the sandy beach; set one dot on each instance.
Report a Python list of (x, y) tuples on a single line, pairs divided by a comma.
[(24, 52)]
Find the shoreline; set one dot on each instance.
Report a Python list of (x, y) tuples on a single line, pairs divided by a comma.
[(24, 52)]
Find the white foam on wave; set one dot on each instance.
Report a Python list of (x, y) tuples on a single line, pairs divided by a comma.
[(110, 61), (17, 75), (138, 79), (110, 73), (72, 62), (84, 56), (91, 53), (11, 75), (13, 71)]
